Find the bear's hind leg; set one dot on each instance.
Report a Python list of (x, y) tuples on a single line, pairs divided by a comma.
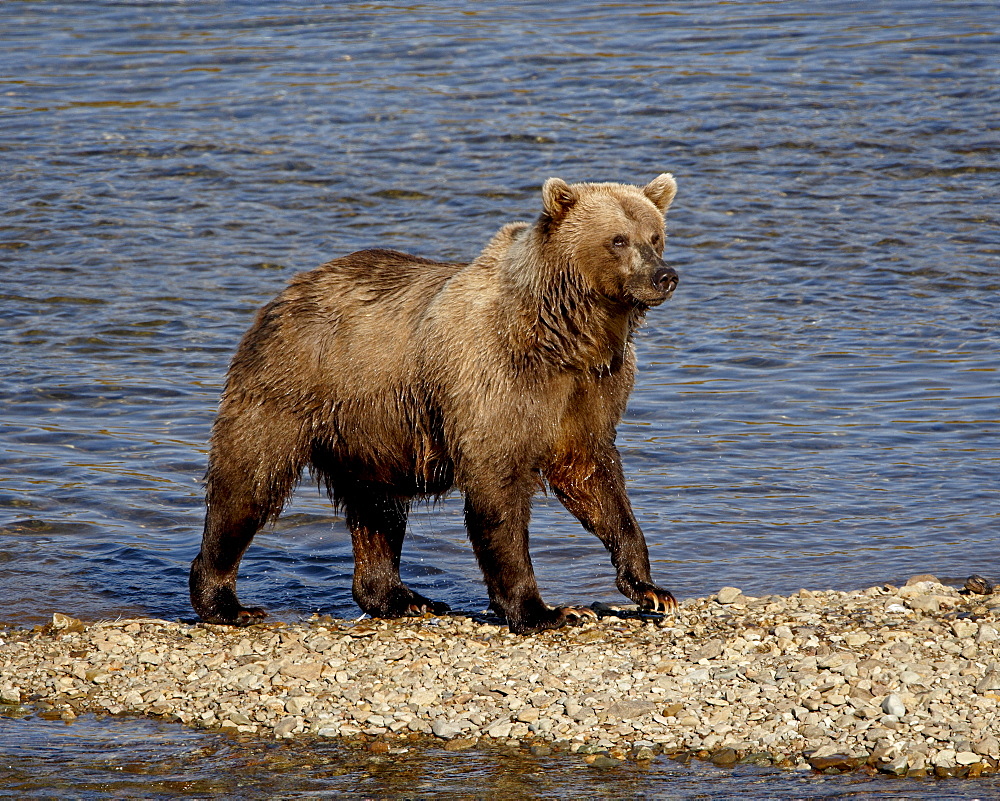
[(256, 459), (213, 573), (377, 522)]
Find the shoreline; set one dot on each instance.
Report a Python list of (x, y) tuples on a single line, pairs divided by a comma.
[(900, 680)]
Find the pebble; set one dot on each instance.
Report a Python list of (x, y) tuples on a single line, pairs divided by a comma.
[(903, 679), (892, 704)]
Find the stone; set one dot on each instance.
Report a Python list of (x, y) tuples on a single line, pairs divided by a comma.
[(925, 603), (989, 682), (893, 705), (10, 695), (835, 762), (444, 729), (630, 709), (460, 744), (987, 634), (297, 705), (644, 754), (602, 762), (709, 650), (895, 767), (728, 595), (724, 758), (967, 758), (285, 727), (308, 671)]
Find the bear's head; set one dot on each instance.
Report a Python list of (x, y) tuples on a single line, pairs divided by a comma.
[(612, 236)]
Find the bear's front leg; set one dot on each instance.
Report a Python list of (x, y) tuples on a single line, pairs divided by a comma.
[(497, 522), (378, 524), (592, 488)]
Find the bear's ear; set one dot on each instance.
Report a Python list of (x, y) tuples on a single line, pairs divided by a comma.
[(558, 198), (661, 191)]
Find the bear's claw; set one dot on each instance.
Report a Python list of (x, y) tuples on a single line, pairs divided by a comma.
[(657, 600), (575, 615), (427, 607), (248, 617)]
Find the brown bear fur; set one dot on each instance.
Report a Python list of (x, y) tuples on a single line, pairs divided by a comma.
[(393, 377)]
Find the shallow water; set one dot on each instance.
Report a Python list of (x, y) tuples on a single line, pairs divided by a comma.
[(818, 406), (145, 759)]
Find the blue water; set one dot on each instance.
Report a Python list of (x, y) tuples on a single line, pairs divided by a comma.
[(818, 406)]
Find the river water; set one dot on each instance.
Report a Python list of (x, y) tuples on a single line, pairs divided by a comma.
[(818, 406)]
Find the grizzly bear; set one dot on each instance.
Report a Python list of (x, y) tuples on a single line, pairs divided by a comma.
[(393, 377)]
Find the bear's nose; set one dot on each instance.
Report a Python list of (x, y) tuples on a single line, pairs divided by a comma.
[(665, 279)]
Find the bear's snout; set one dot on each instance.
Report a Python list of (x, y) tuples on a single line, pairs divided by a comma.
[(665, 279)]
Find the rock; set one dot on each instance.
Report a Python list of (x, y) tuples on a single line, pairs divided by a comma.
[(285, 727), (895, 767), (460, 744), (978, 585), (297, 705), (944, 758), (308, 671), (834, 762), (724, 758), (501, 730), (892, 704), (10, 695), (709, 650), (630, 709), (986, 634), (965, 628), (967, 758), (989, 682), (602, 762), (644, 754), (444, 729), (728, 595), (925, 603), (424, 697)]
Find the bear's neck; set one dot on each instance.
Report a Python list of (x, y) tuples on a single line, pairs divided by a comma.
[(557, 322)]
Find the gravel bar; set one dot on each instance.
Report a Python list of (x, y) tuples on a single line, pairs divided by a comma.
[(900, 680)]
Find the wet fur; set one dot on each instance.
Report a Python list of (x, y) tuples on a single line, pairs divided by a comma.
[(393, 377)]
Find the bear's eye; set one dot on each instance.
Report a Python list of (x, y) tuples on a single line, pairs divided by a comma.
[(655, 241), (619, 241)]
